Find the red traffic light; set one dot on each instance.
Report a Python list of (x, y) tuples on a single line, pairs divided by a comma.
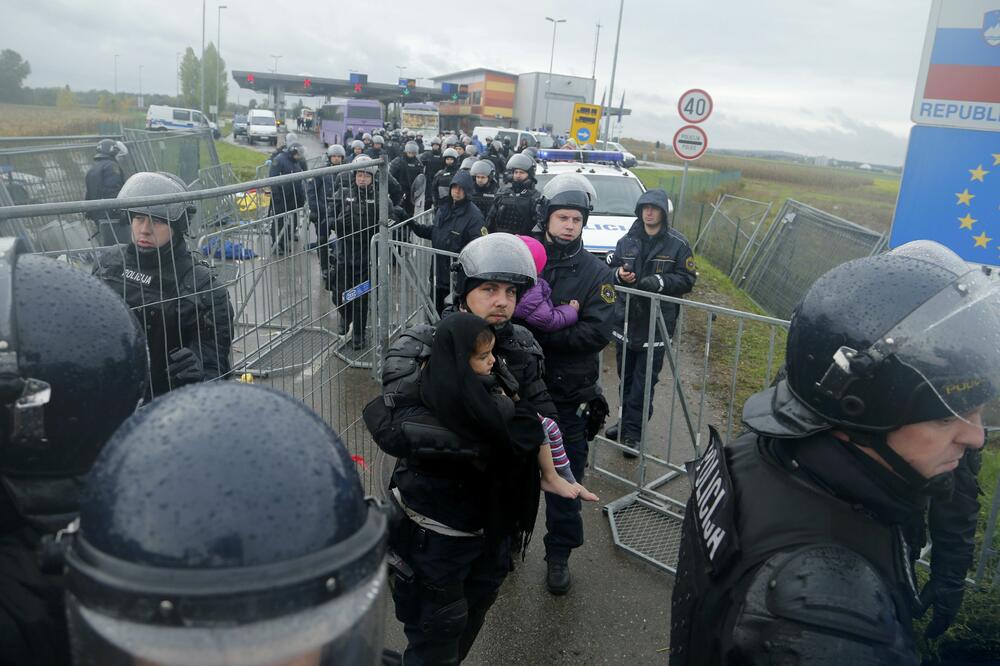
[(249, 78), (357, 87), (307, 83)]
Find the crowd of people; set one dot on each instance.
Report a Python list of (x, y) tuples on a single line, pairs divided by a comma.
[(166, 540)]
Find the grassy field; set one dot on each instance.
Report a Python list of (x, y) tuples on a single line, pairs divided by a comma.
[(24, 120), (244, 160)]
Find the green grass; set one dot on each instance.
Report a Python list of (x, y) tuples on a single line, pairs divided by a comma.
[(244, 160)]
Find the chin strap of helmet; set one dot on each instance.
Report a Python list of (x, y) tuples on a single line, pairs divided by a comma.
[(939, 486)]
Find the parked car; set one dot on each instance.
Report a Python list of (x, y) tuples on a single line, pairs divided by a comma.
[(536, 139), (162, 117), (262, 126), (630, 159), (239, 125)]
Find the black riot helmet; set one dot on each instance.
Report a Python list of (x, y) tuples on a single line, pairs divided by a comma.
[(522, 162), (73, 366), (881, 342), (481, 168), (195, 546), (110, 148), (567, 190), (150, 183), (498, 257)]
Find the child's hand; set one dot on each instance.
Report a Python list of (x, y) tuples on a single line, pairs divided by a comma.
[(557, 485), (585, 494), (575, 304)]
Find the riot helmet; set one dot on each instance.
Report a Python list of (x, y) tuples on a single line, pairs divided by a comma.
[(75, 366), (467, 163), (531, 152), (291, 138), (882, 342), (110, 148), (197, 547), (450, 141), (498, 257), (366, 164), (411, 147), (151, 183), (357, 144), (471, 149), (481, 168), (436, 141), (567, 190), (297, 150), (378, 140), (366, 137), (450, 152), (522, 162), (336, 149)]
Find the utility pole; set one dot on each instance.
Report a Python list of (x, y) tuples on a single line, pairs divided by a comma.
[(177, 76), (116, 75), (140, 87), (552, 56), (218, 63), (593, 70), (614, 66), (201, 100)]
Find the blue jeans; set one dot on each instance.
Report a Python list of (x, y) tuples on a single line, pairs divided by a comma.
[(633, 379), (563, 523)]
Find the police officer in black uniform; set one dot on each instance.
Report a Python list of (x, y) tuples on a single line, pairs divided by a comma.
[(74, 367), (324, 195), (184, 309), (432, 159), (408, 171), (449, 581), (457, 222), (514, 209), (438, 187), (572, 362), (655, 258), (493, 154), (287, 198), (197, 547), (485, 186), (103, 181), (793, 541)]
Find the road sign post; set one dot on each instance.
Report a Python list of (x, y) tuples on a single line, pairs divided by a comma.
[(690, 143)]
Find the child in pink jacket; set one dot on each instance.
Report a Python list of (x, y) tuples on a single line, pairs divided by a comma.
[(534, 307)]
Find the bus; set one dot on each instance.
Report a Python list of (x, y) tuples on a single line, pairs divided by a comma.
[(362, 115), (421, 119)]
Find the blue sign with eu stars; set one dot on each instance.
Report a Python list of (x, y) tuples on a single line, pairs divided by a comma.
[(950, 192)]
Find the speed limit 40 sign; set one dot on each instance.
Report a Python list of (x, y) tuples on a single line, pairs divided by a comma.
[(695, 105)]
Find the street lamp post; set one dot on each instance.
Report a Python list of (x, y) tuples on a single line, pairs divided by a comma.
[(116, 75), (552, 56), (614, 67), (218, 62), (140, 86), (177, 75)]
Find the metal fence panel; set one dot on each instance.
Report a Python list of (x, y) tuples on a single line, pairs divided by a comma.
[(802, 244), (732, 232)]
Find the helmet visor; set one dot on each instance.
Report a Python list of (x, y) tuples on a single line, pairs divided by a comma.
[(952, 341), (346, 630), (570, 182)]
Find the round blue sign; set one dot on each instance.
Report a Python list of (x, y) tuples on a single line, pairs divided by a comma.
[(583, 135)]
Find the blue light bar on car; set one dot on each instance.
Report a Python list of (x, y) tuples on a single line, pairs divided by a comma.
[(557, 155)]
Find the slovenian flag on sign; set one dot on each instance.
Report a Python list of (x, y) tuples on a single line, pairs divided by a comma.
[(965, 61)]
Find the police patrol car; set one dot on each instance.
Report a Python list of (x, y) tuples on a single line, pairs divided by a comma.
[(618, 189)]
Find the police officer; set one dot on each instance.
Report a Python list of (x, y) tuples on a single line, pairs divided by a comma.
[(366, 139), (286, 198), (355, 225), (514, 209), (485, 186), (348, 136), (460, 149), (432, 159), (324, 194), (408, 171), (451, 580), (792, 539), (357, 148), (104, 180), (197, 547), (377, 148), (438, 187), (457, 222), (572, 363), (494, 156), (183, 309), (74, 368), (655, 258)]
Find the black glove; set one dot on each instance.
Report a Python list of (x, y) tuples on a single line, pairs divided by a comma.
[(184, 367), (652, 283), (597, 414), (946, 599)]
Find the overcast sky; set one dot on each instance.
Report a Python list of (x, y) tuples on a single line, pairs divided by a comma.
[(834, 78)]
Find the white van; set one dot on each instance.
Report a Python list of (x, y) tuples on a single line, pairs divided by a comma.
[(536, 139), (262, 126), (160, 117)]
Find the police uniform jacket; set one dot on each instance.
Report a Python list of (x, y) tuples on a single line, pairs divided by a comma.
[(405, 171), (456, 224), (668, 256), (179, 302), (355, 226), (290, 195), (572, 363), (324, 194), (104, 180), (793, 547), (484, 197)]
